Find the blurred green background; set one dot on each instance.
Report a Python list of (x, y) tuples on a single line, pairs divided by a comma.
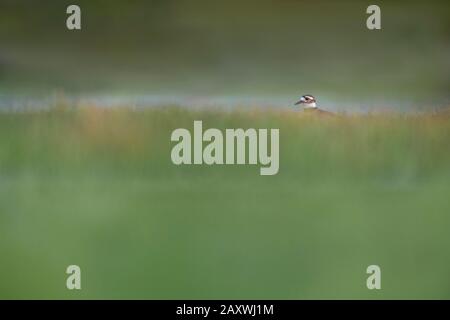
[(95, 187)]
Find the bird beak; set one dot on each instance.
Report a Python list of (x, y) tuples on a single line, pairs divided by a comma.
[(300, 101)]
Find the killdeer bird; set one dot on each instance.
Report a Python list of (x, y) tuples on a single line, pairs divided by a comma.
[(308, 102)]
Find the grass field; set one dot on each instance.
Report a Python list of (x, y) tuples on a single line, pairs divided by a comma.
[(96, 187)]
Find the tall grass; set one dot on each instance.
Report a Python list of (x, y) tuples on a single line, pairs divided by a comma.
[(96, 187)]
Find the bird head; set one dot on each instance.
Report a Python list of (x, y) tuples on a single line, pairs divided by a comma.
[(307, 101)]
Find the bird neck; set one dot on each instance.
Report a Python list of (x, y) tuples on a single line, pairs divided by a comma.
[(310, 105)]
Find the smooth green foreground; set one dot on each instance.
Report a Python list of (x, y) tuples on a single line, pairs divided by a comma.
[(97, 188)]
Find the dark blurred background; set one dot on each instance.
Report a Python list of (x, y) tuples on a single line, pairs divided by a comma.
[(270, 50)]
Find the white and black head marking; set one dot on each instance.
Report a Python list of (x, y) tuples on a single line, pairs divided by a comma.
[(307, 101)]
